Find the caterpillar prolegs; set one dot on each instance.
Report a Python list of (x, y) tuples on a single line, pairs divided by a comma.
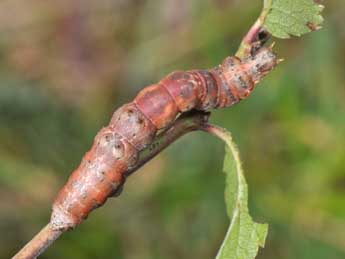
[(133, 127)]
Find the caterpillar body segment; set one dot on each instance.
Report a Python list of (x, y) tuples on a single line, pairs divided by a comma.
[(134, 126)]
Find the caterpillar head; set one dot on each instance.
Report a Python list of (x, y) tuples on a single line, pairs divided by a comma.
[(261, 63), (243, 75)]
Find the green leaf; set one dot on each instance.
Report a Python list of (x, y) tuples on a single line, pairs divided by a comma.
[(244, 236), (292, 17)]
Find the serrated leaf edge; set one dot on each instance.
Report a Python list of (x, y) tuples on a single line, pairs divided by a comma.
[(242, 188)]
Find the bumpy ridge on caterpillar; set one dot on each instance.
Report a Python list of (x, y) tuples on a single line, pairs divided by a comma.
[(134, 126)]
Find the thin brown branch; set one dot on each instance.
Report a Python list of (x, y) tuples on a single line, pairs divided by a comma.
[(185, 124), (39, 243)]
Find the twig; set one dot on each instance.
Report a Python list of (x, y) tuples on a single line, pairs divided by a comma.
[(39, 243), (257, 34), (185, 124)]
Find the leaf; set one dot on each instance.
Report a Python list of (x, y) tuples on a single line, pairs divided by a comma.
[(292, 17), (244, 236)]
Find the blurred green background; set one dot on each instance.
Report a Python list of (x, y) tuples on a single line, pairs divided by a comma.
[(65, 66)]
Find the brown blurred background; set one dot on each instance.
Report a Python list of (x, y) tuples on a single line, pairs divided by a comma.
[(65, 66)]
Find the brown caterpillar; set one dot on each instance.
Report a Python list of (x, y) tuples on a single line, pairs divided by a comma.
[(133, 126)]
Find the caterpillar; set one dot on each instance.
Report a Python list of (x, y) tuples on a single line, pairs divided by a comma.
[(134, 126)]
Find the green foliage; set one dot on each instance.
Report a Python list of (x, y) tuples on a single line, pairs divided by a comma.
[(244, 236), (292, 17)]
